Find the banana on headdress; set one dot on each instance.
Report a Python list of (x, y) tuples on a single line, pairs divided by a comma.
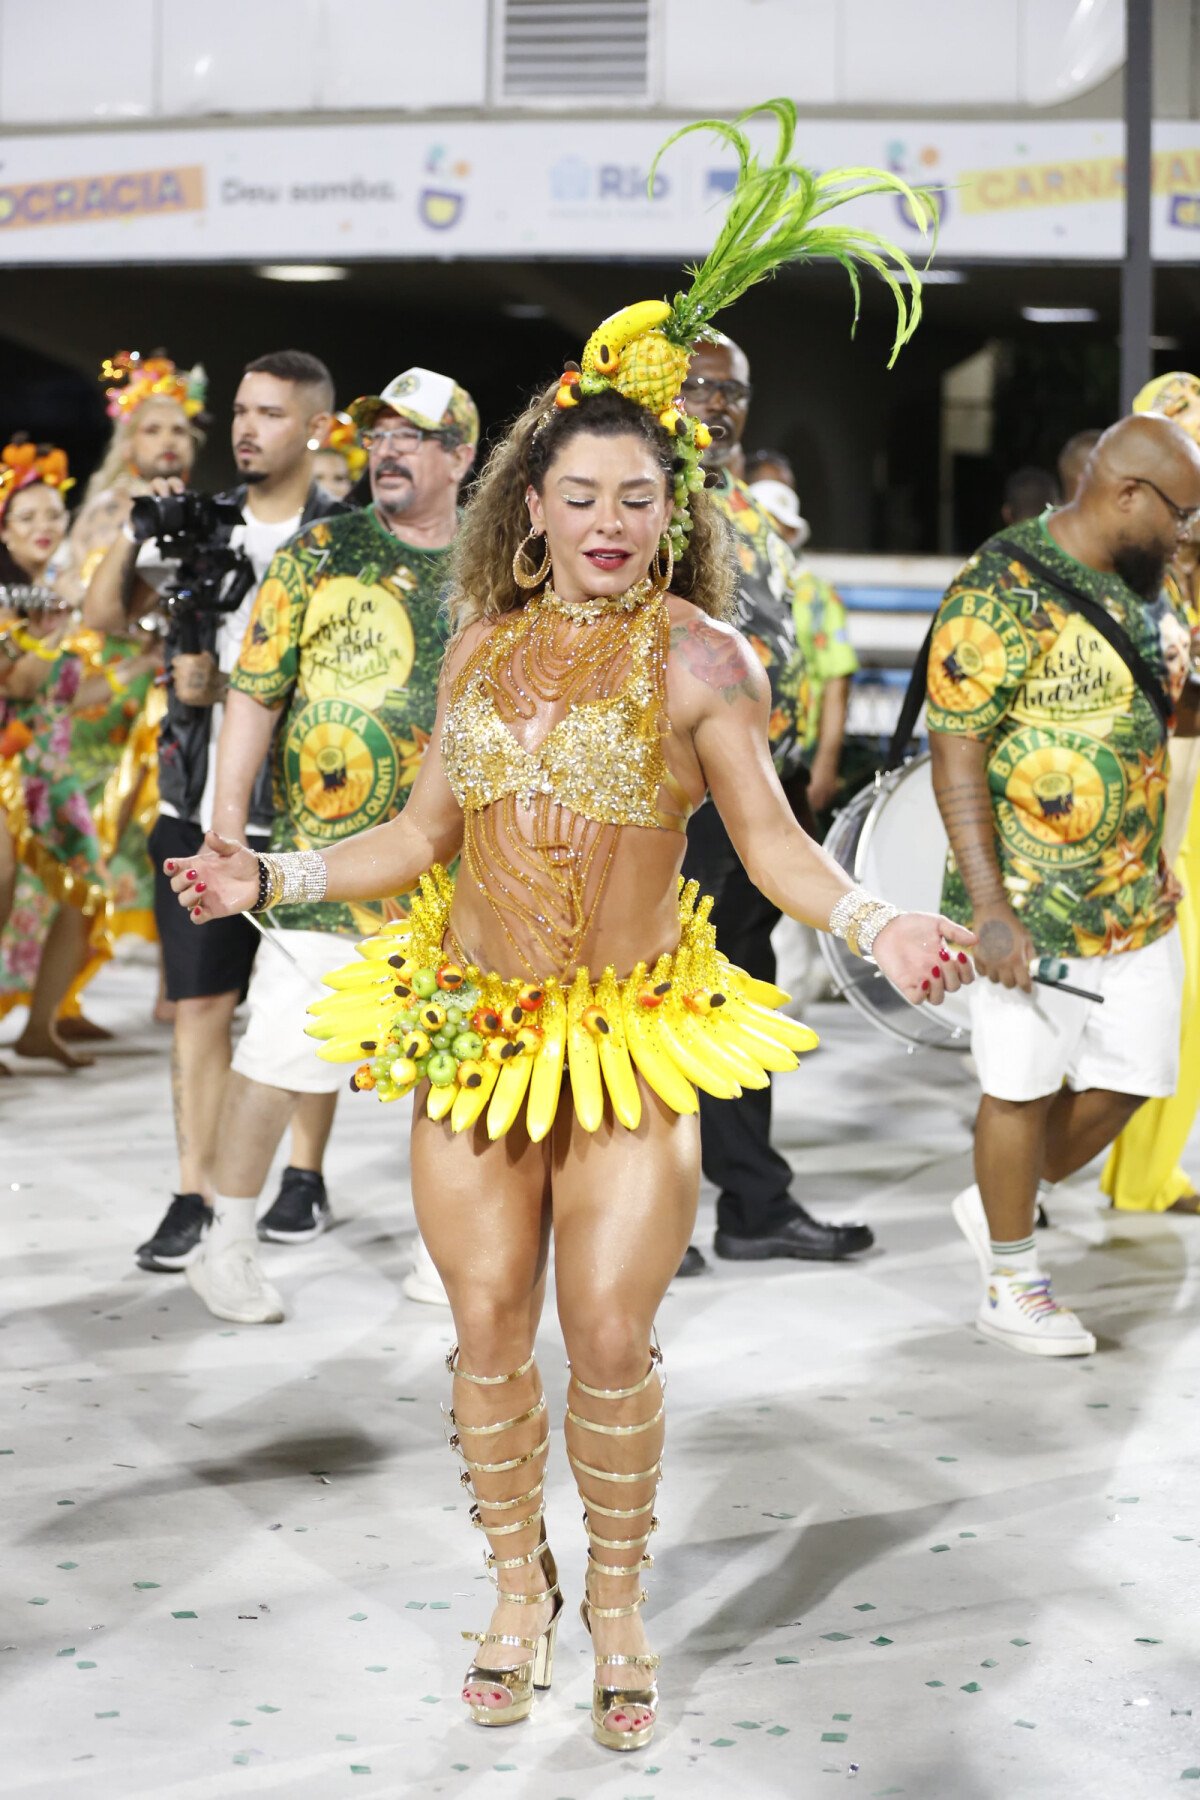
[(775, 216)]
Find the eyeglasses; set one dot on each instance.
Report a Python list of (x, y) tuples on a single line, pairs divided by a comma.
[(733, 393), (400, 437), (1185, 516)]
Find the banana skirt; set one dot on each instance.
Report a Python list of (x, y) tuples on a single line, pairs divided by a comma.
[(404, 1013)]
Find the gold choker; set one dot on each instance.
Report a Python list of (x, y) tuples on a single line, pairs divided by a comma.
[(586, 612)]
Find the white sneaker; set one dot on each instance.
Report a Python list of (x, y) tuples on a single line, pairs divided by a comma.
[(969, 1216), (1022, 1312), (423, 1283), (232, 1285)]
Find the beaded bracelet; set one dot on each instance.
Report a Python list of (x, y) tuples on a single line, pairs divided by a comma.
[(295, 879), (858, 918)]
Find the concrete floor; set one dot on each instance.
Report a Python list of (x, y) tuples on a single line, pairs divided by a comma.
[(237, 1560)]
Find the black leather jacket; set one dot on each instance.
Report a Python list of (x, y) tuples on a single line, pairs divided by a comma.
[(185, 733)]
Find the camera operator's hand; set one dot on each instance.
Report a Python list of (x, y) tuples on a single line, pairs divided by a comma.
[(198, 680), (218, 881)]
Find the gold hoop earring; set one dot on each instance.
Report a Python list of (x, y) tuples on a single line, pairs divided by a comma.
[(662, 577), (521, 573)]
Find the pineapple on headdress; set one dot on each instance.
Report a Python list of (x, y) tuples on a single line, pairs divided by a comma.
[(134, 378), (773, 217)]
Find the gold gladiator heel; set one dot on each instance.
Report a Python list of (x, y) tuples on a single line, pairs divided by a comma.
[(504, 1696), (623, 1716)]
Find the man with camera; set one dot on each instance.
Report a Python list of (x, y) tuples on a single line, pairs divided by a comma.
[(339, 669), (204, 558)]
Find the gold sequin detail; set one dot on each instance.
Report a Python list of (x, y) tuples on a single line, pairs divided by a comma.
[(541, 825)]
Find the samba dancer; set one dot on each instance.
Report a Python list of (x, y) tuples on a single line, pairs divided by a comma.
[(591, 696)]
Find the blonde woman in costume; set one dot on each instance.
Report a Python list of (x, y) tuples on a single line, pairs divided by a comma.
[(591, 697), (1144, 1172)]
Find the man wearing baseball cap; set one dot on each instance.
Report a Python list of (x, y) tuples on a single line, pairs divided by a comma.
[(339, 671)]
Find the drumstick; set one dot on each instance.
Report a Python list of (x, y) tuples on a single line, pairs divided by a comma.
[(1064, 987)]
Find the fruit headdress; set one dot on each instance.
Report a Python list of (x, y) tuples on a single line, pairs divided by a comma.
[(343, 437), (134, 378), (775, 215), (23, 463)]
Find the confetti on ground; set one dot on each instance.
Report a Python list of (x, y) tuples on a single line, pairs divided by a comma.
[(106, 1715), (947, 1459), (787, 1659), (836, 1637), (267, 1709), (989, 1663), (746, 1724), (864, 1606), (967, 1534), (834, 1737), (69, 1652), (843, 1717), (239, 1721), (723, 1743), (1021, 1643), (934, 1548), (67, 1565), (777, 1731), (971, 1687), (345, 1737), (414, 1606), (1147, 1640), (146, 1584), (358, 1617), (431, 1699), (935, 1684), (360, 1768), (439, 1606), (376, 1668), (39, 1600), (1190, 1775), (881, 1640), (85, 1665), (183, 1615), (1025, 1724)]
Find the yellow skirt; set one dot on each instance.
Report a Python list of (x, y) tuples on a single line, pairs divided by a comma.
[(485, 1041)]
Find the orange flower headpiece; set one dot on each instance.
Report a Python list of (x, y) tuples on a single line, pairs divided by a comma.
[(342, 436), (22, 464), (133, 378)]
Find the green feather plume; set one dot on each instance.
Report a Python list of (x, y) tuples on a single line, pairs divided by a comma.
[(772, 219)]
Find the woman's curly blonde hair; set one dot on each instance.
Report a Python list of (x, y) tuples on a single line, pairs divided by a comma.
[(496, 520)]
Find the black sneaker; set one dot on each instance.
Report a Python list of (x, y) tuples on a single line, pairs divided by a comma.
[(300, 1210), (178, 1235)]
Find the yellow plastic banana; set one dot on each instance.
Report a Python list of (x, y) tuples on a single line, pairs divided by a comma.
[(783, 1029), (695, 1066), (358, 975), (378, 948), (545, 1083), (345, 1049), (583, 1058), (470, 1102), (615, 1065), (749, 987), (620, 328), (708, 1042), (508, 1094), (767, 1051), (653, 1059), (441, 1100)]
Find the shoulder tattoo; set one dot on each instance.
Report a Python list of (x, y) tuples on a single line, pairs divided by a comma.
[(715, 658)]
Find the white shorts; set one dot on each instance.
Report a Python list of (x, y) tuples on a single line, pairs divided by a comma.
[(274, 1049), (1027, 1045)]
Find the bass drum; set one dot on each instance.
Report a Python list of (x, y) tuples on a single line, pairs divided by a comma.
[(891, 841)]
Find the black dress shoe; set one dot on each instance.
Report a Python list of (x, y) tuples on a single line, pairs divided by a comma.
[(693, 1264), (809, 1239)]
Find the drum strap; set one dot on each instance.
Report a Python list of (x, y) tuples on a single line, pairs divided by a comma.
[(1097, 615)]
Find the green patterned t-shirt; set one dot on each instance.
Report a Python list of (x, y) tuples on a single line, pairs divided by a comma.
[(348, 631), (1077, 765)]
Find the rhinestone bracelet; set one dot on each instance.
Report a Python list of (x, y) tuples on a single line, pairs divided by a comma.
[(298, 878), (882, 913), (859, 917)]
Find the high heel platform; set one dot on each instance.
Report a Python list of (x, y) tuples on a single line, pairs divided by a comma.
[(623, 1716), (505, 1696)]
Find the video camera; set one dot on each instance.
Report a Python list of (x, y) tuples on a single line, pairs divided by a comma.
[(193, 531)]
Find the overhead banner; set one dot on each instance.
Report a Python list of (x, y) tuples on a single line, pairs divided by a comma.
[(332, 192)]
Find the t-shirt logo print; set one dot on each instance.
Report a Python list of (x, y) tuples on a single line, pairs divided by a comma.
[(342, 765)]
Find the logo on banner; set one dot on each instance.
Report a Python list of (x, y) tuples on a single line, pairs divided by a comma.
[(99, 199), (441, 202), (917, 169), (1184, 211), (575, 182)]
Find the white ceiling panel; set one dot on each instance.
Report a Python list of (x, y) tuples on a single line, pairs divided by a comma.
[(929, 52), (419, 55), (729, 53), (78, 61), (239, 56)]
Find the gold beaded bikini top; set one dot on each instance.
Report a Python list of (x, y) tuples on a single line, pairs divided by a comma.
[(603, 760)]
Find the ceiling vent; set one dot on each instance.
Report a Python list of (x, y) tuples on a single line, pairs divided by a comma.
[(552, 52)]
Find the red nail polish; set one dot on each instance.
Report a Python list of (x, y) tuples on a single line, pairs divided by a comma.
[(191, 874), (169, 867), (945, 955), (936, 973), (925, 985), (200, 887), (961, 957), (196, 915)]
